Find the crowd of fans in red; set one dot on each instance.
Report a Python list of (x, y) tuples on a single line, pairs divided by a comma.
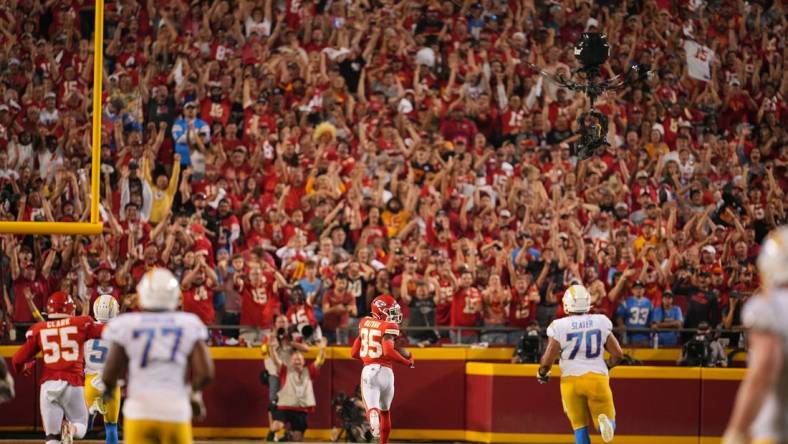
[(301, 157)]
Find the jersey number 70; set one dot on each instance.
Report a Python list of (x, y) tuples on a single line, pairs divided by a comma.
[(593, 340)]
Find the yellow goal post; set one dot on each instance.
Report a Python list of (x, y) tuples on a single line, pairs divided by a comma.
[(95, 225)]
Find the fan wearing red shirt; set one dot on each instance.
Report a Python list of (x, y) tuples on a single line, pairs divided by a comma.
[(300, 313), (338, 306), (259, 304), (150, 260), (198, 289), (466, 308), (215, 107), (101, 282), (28, 281), (522, 308), (60, 340)]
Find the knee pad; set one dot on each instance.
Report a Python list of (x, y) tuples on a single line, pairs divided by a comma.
[(80, 430)]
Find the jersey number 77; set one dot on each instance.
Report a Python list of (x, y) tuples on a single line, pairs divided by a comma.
[(149, 334)]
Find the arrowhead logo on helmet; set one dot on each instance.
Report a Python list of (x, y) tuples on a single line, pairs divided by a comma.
[(385, 307), (60, 305)]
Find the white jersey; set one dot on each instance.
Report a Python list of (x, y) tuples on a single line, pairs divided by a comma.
[(582, 339), (768, 314), (158, 346), (96, 351)]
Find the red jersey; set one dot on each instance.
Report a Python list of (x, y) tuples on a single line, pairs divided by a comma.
[(61, 341), (443, 303), (40, 289), (199, 300), (522, 310), (258, 304), (301, 314), (370, 334), (466, 307)]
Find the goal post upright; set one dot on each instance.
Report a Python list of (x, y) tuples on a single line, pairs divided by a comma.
[(94, 226)]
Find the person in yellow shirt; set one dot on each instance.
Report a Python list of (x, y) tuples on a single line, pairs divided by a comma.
[(647, 237), (164, 188)]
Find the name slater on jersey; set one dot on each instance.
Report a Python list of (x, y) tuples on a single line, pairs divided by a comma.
[(582, 324)]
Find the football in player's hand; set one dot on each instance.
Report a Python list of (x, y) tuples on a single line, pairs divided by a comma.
[(400, 344)]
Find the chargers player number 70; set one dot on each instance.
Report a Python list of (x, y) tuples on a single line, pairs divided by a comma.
[(370, 343), (593, 339)]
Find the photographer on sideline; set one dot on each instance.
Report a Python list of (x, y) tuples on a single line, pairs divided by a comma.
[(703, 350), (531, 345), (296, 398), (287, 345)]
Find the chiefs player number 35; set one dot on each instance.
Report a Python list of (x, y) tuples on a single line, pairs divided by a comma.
[(375, 346)]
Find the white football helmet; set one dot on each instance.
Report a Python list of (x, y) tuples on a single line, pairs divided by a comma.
[(773, 259), (105, 308), (577, 299), (159, 290)]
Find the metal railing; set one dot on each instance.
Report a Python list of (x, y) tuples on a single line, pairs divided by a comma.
[(478, 336)]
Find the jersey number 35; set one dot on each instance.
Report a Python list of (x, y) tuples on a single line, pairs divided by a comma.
[(371, 347)]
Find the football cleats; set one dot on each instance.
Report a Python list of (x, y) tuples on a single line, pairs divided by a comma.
[(159, 290), (577, 299), (386, 308), (773, 258), (105, 308), (60, 305)]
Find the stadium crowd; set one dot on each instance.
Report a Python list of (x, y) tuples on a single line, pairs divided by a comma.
[(301, 157)]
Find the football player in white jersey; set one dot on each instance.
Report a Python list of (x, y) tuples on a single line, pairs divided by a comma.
[(580, 339), (159, 347), (105, 308), (760, 414)]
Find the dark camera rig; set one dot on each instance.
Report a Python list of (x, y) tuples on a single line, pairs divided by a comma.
[(592, 51)]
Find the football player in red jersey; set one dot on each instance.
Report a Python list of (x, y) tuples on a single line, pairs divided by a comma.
[(61, 339), (377, 349)]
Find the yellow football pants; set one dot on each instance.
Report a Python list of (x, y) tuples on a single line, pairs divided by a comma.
[(142, 431), (587, 393), (92, 394)]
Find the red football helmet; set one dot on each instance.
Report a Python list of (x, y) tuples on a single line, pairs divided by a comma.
[(385, 307), (60, 305)]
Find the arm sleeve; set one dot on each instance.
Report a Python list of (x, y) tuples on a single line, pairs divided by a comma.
[(93, 330), (179, 132), (146, 171), (390, 352), (174, 183), (622, 309), (355, 352), (25, 353)]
